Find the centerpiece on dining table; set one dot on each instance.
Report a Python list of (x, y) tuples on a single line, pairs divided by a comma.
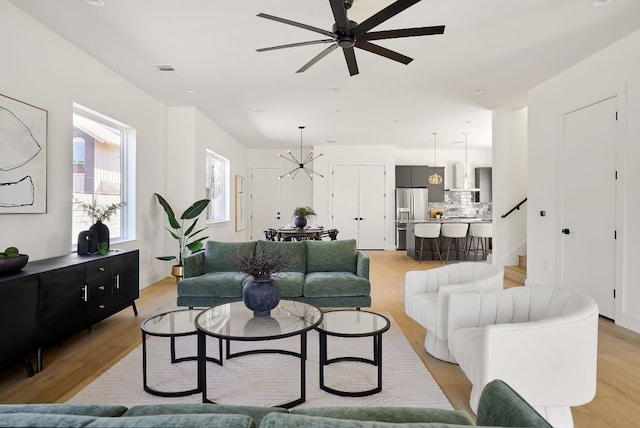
[(262, 293), (300, 215)]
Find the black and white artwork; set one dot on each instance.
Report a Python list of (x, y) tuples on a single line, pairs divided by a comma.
[(23, 157)]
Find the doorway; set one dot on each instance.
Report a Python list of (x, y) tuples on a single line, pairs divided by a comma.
[(587, 171)]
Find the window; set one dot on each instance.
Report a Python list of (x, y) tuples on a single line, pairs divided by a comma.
[(100, 171), (217, 184)]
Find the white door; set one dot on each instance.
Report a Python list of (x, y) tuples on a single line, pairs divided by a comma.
[(372, 207), (358, 204), (266, 201), (587, 171)]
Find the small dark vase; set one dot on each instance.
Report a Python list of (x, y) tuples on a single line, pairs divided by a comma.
[(261, 295), (300, 222), (102, 231)]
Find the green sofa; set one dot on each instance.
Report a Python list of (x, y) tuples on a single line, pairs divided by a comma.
[(323, 273), (499, 406)]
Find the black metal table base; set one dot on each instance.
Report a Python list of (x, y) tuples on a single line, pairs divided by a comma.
[(302, 355), (376, 361), (174, 360)]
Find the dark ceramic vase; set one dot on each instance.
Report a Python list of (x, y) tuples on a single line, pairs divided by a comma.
[(102, 231), (300, 222), (261, 295)]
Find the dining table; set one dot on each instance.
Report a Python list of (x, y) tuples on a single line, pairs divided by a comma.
[(298, 234)]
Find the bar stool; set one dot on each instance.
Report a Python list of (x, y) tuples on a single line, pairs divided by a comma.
[(428, 231), (481, 233), (455, 232)]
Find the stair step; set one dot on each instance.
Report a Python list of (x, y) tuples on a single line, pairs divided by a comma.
[(522, 261), (508, 283), (515, 273)]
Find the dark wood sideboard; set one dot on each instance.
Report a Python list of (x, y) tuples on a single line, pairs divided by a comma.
[(52, 299)]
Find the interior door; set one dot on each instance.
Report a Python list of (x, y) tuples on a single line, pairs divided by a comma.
[(371, 207), (266, 201), (587, 171), (345, 213)]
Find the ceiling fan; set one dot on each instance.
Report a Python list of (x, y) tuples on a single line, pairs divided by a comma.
[(349, 34)]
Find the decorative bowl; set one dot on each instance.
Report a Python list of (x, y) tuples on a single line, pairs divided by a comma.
[(14, 264)]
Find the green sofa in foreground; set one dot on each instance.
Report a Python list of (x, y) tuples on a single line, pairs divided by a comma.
[(500, 406), (324, 273)]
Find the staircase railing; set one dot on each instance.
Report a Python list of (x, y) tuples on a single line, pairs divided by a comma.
[(517, 207)]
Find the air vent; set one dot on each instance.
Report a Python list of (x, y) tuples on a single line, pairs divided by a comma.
[(165, 67)]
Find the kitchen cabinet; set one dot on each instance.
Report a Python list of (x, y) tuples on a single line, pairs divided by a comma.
[(484, 183), (411, 176), (52, 299), (436, 191)]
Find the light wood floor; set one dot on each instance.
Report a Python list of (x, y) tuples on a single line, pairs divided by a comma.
[(83, 357)]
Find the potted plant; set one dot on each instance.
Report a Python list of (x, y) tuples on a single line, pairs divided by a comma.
[(262, 292), (99, 214), (185, 236), (300, 215)]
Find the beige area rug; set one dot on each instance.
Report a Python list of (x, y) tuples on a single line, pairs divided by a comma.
[(272, 379)]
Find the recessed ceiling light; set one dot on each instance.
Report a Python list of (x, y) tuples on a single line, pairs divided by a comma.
[(96, 3), (334, 90), (479, 91), (190, 91), (330, 141), (600, 3)]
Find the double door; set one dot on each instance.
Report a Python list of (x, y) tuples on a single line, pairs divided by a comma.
[(358, 204)]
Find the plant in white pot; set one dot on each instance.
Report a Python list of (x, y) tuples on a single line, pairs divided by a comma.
[(185, 236)]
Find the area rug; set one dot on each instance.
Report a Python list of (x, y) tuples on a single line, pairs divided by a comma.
[(271, 379)]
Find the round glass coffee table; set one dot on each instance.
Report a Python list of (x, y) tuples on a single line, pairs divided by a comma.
[(235, 322), (352, 323), (171, 324)]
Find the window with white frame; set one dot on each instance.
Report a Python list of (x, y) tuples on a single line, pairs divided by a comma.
[(101, 172), (217, 186)]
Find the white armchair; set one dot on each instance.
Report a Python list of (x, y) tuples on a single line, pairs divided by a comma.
[(426, 297), (540, 340)]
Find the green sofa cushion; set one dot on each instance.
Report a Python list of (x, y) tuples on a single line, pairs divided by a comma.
[(216, 284), (280, 420), (500, 405), (335, 284), (331, 256), (291, 283), (222, 256), (65, 409), (173, 421), (296, 253), (389, 414), (255, 412), (38, 420)]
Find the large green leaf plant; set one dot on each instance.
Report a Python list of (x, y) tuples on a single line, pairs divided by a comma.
[(187, 242)]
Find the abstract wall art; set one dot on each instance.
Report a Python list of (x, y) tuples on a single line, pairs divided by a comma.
[(23, 157)]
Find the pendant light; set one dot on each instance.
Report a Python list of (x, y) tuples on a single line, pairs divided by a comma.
[(301, 164), (435, 178)]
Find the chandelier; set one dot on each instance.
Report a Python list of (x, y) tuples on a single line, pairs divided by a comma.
[(435, 178), (301, 164)]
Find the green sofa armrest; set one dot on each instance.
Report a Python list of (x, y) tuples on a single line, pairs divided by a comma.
[(362, 264), (501, 406), (193, 265)]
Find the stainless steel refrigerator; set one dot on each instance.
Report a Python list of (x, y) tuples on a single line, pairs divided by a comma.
[(411, 204)]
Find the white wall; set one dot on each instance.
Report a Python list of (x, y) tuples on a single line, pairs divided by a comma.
[(509, 185), (42, 69), (615, 71)]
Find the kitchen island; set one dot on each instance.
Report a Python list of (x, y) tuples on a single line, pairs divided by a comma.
[(411, 237)]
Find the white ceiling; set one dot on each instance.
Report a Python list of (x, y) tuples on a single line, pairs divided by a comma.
[(503, 47)]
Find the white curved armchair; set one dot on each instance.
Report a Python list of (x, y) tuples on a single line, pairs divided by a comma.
[(541, 340), (426, 297)]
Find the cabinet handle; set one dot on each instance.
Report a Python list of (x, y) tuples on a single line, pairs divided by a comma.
[(101, 306), (85, 293), (118, 282), (101, 269), (101, 288)]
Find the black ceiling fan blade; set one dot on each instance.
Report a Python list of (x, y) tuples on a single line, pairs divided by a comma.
[(405, 32), (296, 24), (340, 15), (388, 12), (352, 64), (295, 45), (387, 53), (317, 58)]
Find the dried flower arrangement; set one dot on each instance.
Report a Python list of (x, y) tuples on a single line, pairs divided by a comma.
[(263, 264)]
